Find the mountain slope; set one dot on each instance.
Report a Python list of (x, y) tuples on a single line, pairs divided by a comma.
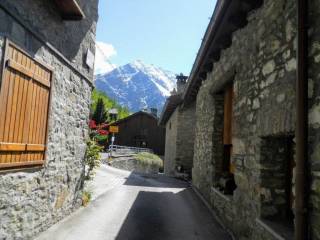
[(108, 103), (137, 85)]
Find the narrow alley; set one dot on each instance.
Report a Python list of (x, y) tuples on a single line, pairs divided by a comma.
[(140, 207)]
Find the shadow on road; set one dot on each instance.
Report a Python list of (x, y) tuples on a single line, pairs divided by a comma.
[(169, 216), (154, 180)]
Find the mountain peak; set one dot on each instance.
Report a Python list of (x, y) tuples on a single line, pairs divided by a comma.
[(138, 62), (141, 66), (137, 85)]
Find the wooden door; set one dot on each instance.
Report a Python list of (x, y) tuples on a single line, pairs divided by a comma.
[(24, 105)]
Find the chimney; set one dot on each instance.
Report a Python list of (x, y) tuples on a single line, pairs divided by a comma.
[(154, 112), (181, 82)]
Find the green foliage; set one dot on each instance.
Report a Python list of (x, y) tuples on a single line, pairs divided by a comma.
[(149, 159), (100, 113), (101, 139), (86, 198), (92, 158), (108, 104)]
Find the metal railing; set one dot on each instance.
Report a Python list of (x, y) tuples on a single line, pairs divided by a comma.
[(115, 148)]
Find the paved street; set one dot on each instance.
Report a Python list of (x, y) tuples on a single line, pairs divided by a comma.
[(133, 207)]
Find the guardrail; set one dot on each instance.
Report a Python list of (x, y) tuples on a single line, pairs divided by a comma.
[(114, 148)]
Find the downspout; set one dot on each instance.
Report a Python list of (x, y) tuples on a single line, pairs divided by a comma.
[(301, 186)]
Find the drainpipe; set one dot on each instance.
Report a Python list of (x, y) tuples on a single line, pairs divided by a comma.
[(301, 188)]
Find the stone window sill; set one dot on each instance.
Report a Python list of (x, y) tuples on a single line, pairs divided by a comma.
[(277, 230), (227, 198)]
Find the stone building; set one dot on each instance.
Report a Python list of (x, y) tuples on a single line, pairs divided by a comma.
[(248, 162), (47, 55), (180, 124)]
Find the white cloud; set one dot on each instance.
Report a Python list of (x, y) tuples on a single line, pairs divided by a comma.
[(104, 52)]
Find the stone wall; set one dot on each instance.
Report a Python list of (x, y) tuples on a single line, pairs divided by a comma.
[(132, 164), (32, 200), (185, 137), (314, 116), (180, 140), (171, 144), (71, 39), (261, 64)]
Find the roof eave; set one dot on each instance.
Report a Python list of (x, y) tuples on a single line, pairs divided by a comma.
[(171, 104), (70, 10), (228, 16)]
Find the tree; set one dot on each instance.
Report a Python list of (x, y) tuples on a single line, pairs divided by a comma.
[(99, 114)]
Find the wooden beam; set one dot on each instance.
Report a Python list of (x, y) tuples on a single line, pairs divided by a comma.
[(214, 56), (41, 80), (19, 68), (70, 10), (208, 67), (35, 147), (12, 147), (224, 41), (202, 76), (238, 20), (21, 164), (249, 5)]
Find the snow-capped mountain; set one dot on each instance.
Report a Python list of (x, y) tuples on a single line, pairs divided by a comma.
[(137, 85)]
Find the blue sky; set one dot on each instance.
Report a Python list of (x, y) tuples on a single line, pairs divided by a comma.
[(166, 33)]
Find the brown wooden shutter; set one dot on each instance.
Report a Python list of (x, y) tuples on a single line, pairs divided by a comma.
[(227, 129), (24, 104), (227, 126)]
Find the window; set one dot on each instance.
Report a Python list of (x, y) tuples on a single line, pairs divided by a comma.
[(226, 181), (227, 129), (277, 163), (24, 104)]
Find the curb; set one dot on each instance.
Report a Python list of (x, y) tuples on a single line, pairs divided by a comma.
[(212, 211)]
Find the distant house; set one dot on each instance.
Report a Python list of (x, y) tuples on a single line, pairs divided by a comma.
[(141, 130), (47, 55), (179, 122)]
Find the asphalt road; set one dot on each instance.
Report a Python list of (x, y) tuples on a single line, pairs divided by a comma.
[(135, 207)]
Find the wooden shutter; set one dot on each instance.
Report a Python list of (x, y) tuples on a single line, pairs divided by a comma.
[(227, 129), (227, 121), (24, 104)]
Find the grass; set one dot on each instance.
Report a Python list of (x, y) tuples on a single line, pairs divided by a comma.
[(149, 159), (86, 198)]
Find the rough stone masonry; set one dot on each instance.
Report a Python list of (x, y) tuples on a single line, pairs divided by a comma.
[(33, 199), (261, 65)]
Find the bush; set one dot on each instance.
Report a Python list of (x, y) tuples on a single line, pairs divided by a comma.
[(149, 159), (92, 158), (86, 198), (102, 139)]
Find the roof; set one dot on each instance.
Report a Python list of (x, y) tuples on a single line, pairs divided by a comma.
[(132, 116), (228, 16), (171, 104), (70, 9)]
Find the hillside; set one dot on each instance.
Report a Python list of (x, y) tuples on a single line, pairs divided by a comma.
[(108, 102)]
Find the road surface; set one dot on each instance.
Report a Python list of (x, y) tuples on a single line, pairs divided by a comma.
[(135, 207)]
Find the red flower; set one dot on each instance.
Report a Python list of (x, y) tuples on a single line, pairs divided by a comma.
[(92, 124), (103, 132)]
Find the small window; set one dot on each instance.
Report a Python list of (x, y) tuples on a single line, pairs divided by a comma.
[(170, 125), (24, 103), (226, 182), (277, 163)]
